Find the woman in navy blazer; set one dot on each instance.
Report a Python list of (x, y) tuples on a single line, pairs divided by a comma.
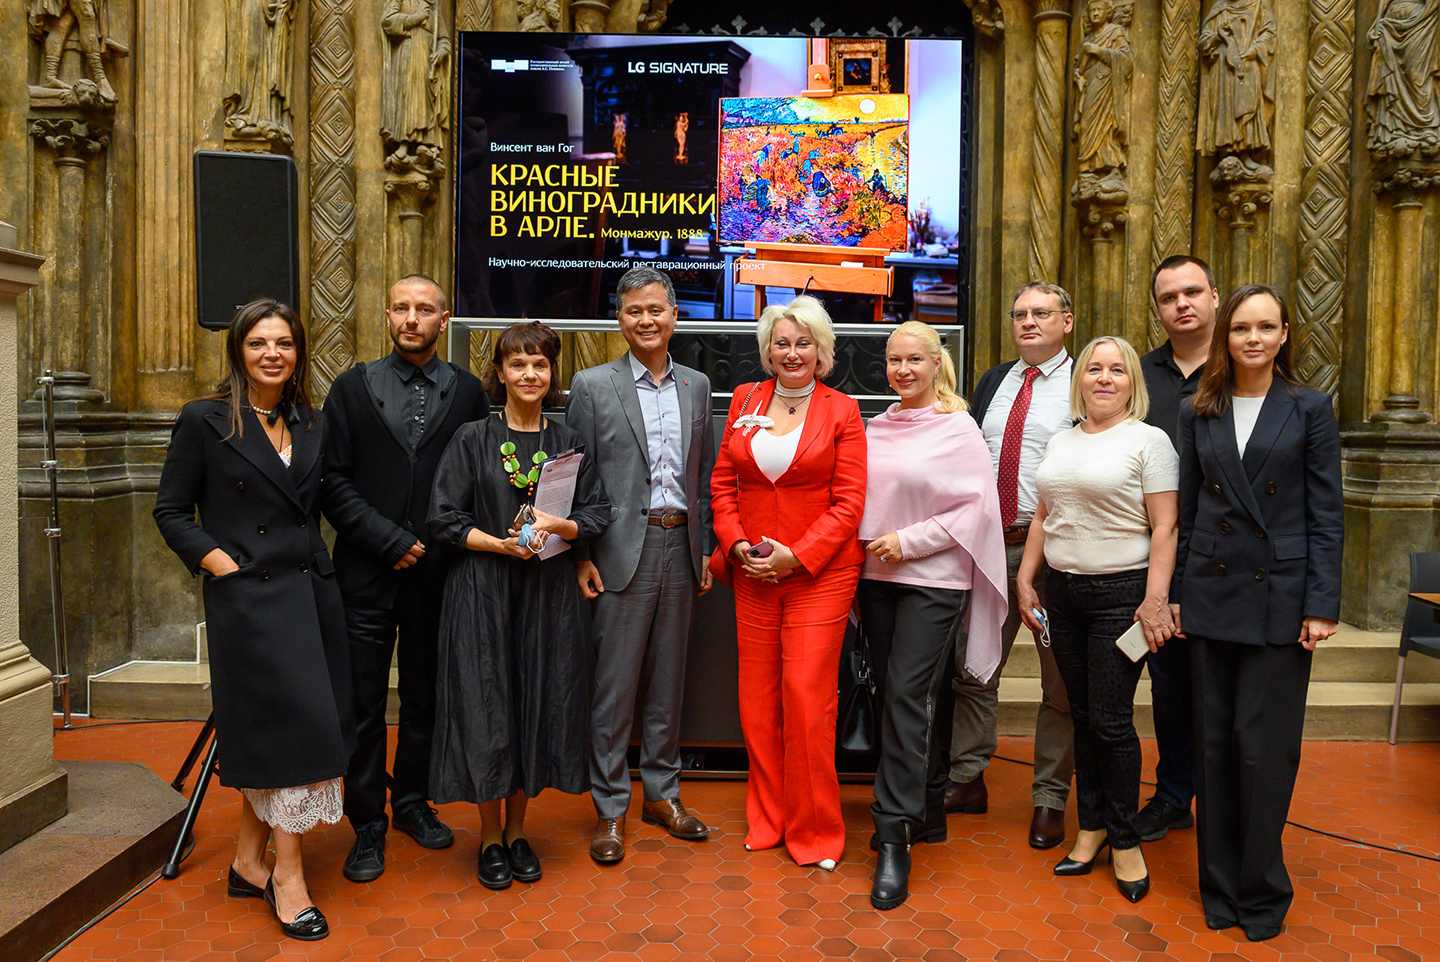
[(1258, 585)]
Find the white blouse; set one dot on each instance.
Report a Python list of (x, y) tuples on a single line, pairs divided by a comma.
[(774, 452)]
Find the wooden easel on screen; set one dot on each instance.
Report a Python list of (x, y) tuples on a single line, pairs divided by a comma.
[(817, 267)]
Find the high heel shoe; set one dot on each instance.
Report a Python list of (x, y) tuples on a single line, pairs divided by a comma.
[(1134, 891), (237, 888), (309, 925), (1067, 866)]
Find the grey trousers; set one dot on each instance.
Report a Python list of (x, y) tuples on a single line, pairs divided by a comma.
[(641, 636), (973, 738)]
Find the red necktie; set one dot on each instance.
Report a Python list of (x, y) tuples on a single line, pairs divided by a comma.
[(1008, 480)]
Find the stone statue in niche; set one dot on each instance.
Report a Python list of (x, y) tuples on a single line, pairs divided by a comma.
[(1237, 81), (1102, 98), (415, 87), (538, 16), (682, 132), (54, 23), (617, 137), (1402, 99), (257, 70)]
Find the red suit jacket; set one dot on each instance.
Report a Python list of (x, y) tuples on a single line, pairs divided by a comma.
[(815, 506)]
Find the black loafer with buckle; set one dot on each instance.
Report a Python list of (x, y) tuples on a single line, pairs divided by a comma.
[(309, 925)]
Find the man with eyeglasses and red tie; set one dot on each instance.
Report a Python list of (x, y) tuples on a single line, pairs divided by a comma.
[(386, 424), (1019, 406)]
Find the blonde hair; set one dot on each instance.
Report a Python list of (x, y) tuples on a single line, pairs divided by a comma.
[(946, 397), (810, 314), (1139, 404)]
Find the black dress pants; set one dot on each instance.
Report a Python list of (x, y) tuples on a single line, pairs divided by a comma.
[(908, 628), (1249, 717), (1171, 696), (1087, 613), (373, 632)]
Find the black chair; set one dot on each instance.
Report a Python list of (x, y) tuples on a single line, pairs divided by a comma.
[(1421, 631)]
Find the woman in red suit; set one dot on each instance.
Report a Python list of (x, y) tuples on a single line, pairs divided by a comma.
[(788, 491)]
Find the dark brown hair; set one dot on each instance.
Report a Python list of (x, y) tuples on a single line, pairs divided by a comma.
[(235, 386), (528, 337), (1212, 395)]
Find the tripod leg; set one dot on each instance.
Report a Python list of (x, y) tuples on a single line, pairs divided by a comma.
[(179, 852), (205, 732)]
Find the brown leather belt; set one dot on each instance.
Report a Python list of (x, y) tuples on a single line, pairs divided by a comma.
[(667, 519), (1017, 533)]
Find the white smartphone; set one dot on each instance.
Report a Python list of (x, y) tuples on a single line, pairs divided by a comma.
[(1133, 642)]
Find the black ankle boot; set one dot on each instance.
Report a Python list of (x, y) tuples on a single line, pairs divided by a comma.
[(892, 876)]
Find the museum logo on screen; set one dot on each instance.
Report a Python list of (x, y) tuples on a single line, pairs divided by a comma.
[(530, 66)]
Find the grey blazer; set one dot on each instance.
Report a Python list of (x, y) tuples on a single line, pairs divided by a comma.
[(604, 409)]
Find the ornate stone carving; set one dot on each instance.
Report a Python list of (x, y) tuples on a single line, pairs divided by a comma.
[(1047, 192), (987, 16), (475, 15), (257, 72), (588, 15), (1324, 210), (332, 190), (1174, 138), (1402, 99), (58, 25), (70, 136), (415, 87), (1102, 88), (1242, 197), (538, 16), (1237, 83)]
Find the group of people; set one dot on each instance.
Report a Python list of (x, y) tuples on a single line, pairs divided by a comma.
[(1079, 498)]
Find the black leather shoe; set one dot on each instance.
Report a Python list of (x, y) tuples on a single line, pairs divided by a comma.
[(366, 861), (1134, 891), (1068, 866), (494, 869), (892, 876), (309, 925), (969, 798), (1047, 827), (524, 864), (1160, 815), (237, 888), (419, 822)]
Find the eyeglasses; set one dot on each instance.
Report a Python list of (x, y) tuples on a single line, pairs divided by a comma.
[(1042, 315), (423, 311)]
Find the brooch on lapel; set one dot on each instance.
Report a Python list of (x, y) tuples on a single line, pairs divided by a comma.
[(752, 421)]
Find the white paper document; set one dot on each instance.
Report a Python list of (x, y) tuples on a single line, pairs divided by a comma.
[(555, 494)]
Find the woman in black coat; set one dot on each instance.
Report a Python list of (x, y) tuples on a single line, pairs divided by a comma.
[(249, 458), (512, 705), (1258, 585)]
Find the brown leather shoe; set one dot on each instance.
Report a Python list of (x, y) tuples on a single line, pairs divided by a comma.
[(969, 798), (607, 845), (1047, 827), (670, 815)]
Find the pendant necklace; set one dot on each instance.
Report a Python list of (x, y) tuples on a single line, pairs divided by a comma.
[(792, 398), (510, 461)]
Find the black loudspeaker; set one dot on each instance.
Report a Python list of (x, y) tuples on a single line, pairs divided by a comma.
[(246, 233)]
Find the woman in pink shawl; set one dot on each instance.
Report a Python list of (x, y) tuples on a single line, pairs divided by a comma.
[(935, 556)]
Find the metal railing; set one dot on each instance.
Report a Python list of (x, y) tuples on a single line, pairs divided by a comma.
[(952, 338)]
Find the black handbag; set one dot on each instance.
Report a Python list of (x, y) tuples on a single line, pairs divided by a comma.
[(859, 716)]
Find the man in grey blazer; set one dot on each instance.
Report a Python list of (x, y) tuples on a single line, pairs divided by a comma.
[(646, 422)]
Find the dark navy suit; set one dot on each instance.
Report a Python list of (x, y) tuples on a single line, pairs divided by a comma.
[(1260, 544)]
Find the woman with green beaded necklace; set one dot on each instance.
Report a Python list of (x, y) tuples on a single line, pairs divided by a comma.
[(513, 687)]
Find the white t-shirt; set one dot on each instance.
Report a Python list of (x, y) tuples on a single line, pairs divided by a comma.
[(1049, 412), (1094, 487), (1247, 412)]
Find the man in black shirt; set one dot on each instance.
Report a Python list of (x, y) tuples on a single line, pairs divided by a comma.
[(386, 424), (1186, 300)]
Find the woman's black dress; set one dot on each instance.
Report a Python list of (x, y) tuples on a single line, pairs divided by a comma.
[(512, 708)]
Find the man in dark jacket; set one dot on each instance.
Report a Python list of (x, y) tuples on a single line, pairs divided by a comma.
[(387, 424)]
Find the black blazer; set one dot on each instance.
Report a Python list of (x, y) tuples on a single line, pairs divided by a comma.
[(380, 492), (1260, 538), (985, 390), (279, 655)]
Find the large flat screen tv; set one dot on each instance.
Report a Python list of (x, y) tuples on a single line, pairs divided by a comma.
[(581, 155)]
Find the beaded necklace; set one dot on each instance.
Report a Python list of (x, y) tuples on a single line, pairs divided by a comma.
[(510, 461)]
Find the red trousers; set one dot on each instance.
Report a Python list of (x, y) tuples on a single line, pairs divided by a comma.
[(790, 635)]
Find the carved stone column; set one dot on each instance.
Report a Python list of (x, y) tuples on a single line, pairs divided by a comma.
[(1174, 141), (1407, 188), (1243, 202), (411, 200), (1052, 33), (71, 139), (32, 786)]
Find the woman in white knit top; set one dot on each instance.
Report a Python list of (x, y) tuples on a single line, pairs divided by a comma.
[(1106, 528)]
